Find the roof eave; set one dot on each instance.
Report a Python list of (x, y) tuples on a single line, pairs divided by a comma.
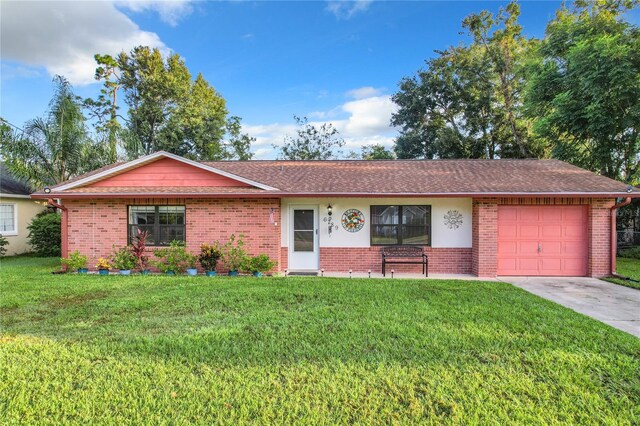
[(283, 194)]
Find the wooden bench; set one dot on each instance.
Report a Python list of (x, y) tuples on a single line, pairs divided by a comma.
[(405, 255)]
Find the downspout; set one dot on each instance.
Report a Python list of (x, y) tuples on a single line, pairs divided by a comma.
[(614, 234), (64, 227)]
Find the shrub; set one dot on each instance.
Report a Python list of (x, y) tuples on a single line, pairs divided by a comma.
[(138, 247), (124, 259), (234, 254), (260, 263), (75, 261), (103, 263), (3, 243), (44, 233), (633, 253), (209, 256), (174, 258)]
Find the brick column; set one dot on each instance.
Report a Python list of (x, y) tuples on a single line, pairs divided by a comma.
[(600, 237), (484, 237)]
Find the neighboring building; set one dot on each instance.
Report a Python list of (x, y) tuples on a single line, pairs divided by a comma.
[(482, 217), (16, 211)]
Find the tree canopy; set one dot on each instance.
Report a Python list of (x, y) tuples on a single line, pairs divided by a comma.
[(55, 147), (311, 142)]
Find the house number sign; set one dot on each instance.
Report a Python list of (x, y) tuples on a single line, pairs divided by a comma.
[(352, 220)]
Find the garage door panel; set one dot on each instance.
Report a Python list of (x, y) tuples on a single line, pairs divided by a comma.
[(551, 231), (559, 231), (527, 248), (529, 214), (529, 231), (508, 231)]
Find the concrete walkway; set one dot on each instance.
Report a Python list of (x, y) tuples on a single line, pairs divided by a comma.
[(613, 304)]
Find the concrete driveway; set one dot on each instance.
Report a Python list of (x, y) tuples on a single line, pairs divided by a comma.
[(613, 304)]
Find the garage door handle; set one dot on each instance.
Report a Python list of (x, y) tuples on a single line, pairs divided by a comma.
[(539, 248)]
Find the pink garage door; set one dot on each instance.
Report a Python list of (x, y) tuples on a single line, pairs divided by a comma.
[(542, 240)]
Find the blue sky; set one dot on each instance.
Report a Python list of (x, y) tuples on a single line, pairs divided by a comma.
[(330, 61)]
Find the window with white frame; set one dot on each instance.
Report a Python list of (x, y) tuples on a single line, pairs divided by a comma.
[(8, 219)]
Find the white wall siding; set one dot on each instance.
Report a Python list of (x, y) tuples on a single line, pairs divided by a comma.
[(442, 236)]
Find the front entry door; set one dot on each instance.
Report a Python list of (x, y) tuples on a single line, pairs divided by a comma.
[(303, 246)]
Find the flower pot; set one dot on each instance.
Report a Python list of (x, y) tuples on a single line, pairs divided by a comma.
[(233, 273), (103, 271), (125, 271), (170, 273), (257, 274), (211, 273), (145, 272), (82, 270), (192, 272)]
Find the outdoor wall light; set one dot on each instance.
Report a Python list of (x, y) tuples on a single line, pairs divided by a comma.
[(329, 209)]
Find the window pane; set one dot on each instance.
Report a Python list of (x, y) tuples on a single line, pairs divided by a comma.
[(384, 234), (415, 235), (414, 215), (303, 240), (303, 220), (170, 233), (384, 215), (171, 215), (142, 215), (7, 218)]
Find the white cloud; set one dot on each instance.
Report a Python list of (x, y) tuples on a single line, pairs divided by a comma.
[(63, 36), (170, 11), (345, 9), (364, 92), (366, 122)]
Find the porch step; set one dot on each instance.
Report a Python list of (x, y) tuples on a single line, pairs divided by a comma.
[(302, 274)]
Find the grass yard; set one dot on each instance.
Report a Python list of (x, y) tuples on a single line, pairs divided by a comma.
[(627, 267), (181, 350)]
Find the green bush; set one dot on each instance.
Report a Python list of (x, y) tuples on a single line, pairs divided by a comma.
[(124, 259), (260, 263), (44, 234), (75, 261), (631, 253), (174, 258), (3, 242), (233, 253)]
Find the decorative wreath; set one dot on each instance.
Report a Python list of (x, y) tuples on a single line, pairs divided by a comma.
[(453, 219), (352, 220)]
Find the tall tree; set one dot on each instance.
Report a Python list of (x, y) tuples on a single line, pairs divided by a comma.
[(311, 142), (584, 88), (467, 102), (56, 147), (238, 143), (166, 109)]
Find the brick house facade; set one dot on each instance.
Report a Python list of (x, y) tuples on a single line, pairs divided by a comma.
[(554, 217)]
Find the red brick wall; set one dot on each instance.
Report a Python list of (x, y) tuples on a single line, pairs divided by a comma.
[(484, 237), (361, 259), (96, 226), (599, 230), (484, 231)]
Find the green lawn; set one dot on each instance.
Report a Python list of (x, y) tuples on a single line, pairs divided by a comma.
[(158, 350), (627, 267)]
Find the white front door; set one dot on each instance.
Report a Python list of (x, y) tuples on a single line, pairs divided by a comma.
[(303, 238)]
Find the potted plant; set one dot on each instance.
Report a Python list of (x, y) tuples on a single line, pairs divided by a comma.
[(75, 262), (209, 256), (103, 266), (234, 255), (124, 260), (138, 248), (174, 259), (260, 264), (191, 261)]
